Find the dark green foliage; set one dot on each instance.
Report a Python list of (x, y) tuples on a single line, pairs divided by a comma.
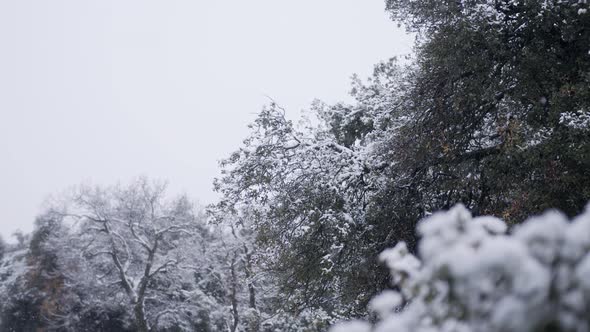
[(489, 96)]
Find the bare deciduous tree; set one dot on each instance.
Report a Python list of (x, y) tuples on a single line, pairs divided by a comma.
[(133, 241)]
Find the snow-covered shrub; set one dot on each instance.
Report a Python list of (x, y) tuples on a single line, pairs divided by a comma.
[(472, 275)]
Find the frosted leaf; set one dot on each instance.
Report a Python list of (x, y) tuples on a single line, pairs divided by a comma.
[(384, 303), (583, 273), (399, 260), (543, 235), (578, 236), (491, 224), (352, 326)]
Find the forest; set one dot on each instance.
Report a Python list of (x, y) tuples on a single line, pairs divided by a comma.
[(450, 195)]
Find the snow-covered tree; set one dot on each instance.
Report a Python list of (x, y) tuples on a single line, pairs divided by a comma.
[(471, 275), (33, 289), (494, 86), (132, 247), (295, 180)]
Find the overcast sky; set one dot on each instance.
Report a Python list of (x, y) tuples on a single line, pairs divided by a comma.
[(102, 91)]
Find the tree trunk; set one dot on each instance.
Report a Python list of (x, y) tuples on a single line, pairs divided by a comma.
[(248, 269), (234, 295), (140, 320)]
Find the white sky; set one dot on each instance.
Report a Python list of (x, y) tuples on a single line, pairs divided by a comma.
[(102, 91)]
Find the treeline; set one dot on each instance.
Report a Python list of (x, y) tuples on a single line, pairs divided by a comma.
[(132, 258), (492, 111)]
